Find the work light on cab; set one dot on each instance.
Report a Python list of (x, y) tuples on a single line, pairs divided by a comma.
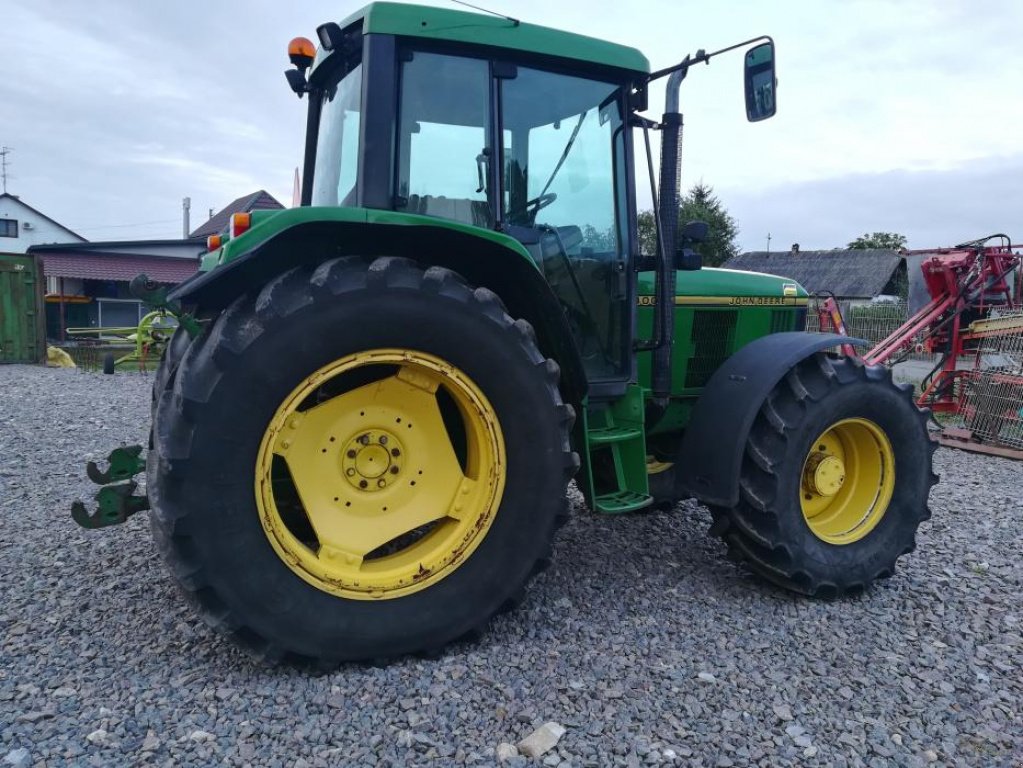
[(301, 52)]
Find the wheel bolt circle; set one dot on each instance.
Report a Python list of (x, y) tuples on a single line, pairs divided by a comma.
[(368, 460)]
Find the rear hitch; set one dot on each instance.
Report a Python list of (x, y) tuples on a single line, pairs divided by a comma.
[(124, 462), (116, 500), (116, 503)]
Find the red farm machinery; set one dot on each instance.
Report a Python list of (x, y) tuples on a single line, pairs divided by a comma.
[(973, 327)]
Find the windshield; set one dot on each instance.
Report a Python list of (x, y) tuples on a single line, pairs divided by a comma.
[(337, 149)]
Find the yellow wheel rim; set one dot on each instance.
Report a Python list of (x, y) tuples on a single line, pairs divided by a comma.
[(380, 474), (847, 481)]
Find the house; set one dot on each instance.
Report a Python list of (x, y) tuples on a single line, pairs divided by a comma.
[(257, 201), (856, 275), (22, 226), (87, 283)]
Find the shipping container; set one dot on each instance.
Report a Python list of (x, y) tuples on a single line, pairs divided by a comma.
[(22, 329)]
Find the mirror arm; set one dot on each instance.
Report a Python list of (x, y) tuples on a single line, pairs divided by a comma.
[(704, 57)]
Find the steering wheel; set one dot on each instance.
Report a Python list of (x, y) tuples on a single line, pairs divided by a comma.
[(539, 203)]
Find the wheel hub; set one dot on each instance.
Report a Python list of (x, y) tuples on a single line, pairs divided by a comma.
[(825, 474), (372, 460), (847, 481)]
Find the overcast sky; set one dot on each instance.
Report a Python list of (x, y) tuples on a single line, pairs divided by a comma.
[(900, 116)]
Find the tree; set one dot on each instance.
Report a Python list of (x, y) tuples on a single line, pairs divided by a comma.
[(889, 240), (699, 204)]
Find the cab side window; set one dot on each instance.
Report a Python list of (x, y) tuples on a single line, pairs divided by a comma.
[(443, 138)]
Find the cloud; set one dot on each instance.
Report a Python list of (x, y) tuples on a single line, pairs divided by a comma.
[(873, 96), (932, 208)]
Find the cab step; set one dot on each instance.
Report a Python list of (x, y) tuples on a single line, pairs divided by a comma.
[(614, 469), (606, 435), (620, 502)]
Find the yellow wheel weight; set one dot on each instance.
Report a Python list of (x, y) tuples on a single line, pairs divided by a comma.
[(392, 505), (847, 481)]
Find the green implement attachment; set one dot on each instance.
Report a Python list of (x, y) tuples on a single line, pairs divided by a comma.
[(155, 295), (116, 500)]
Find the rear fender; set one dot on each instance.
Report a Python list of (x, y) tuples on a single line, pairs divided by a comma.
[(485, 258), (710, 456)]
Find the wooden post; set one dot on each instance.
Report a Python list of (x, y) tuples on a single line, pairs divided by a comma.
[(62, 309)]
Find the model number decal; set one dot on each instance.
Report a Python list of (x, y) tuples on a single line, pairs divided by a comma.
[(735, 301)]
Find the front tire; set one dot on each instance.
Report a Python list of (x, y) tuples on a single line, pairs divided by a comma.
[(834, 480), (300, 508)]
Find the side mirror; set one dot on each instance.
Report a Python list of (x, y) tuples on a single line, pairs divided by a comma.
[(694, 232), (761, 84)]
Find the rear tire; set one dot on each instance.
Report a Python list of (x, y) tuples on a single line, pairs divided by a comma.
[(212, 428), (776, 535)]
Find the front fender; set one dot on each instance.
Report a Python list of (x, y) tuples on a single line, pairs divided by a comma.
[(710, 456), (305, 236)]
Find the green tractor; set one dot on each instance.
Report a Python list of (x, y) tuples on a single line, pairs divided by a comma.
[(364, 428)]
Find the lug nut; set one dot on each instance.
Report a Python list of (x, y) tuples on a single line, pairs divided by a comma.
[(395, 452), (394, 470), (351, 453), (381, 483), (364, 440), (363, 483), (383, 439), (350, 472)]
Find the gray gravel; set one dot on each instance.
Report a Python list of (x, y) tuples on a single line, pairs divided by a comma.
[(642, 640)]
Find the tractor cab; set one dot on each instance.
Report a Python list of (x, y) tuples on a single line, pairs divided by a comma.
[(484, 133)]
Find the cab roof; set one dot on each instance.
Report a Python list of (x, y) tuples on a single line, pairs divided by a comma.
[(478, 29)]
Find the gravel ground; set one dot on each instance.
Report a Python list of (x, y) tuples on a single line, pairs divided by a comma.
[(642, 640)]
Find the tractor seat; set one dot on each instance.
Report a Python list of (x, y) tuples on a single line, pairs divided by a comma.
[(571, 238)]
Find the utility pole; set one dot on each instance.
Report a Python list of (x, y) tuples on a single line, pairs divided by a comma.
[(4, 152), (186, 206), (768, 242)]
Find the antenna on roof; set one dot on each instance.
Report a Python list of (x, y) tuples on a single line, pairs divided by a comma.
[(4, 152), (513, 20)]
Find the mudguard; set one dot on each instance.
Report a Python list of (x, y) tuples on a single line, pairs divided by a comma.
[(710, 456), (486, 258)]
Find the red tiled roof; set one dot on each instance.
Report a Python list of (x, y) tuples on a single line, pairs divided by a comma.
[(118, 267), (257, 201)]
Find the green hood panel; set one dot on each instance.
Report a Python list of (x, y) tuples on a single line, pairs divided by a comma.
[(269, 224), (713, 283)]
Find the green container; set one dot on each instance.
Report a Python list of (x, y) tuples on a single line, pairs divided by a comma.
[(22, 329)]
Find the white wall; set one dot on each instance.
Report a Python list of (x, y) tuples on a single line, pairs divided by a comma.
[(41, 230), (73, 286), (178, 249)]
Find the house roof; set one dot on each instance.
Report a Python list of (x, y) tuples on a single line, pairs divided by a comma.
[(116, 266), (197, 242), (261, 200), (40, 214), (852, 273)]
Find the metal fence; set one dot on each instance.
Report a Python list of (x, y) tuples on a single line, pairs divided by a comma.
[(993, 395), (873, 321)]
